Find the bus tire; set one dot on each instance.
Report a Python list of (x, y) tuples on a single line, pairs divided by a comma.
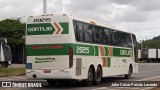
[(98, 76), (51, 82), (128, 76), (89, 80)]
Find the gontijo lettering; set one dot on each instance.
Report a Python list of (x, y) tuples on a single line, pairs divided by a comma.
[(34, 29), (124, 52)]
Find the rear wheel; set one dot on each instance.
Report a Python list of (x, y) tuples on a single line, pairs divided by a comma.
[(89, 80), (98, 76), (128, 76)]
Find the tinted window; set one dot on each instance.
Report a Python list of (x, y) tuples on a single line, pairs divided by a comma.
[(80, 31), (87, 28), (97, 37), (124, 39), (114, 38), (95, 34), (121, 39), (76, 31), (83, 31), (128, 40), (106, 36)]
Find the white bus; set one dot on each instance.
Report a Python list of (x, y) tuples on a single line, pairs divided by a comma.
[(62, 47)]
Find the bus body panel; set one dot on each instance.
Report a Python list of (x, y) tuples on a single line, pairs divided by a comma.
[(49, 62)]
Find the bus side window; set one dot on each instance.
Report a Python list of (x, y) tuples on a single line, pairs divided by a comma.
[(124, 39), (80, 30), (97, 35), (76, 31), (105, 36), (120, 39), (114, 38), (128, 40), (87, 32), (111, 37)]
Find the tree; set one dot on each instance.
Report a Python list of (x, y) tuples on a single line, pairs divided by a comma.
[(13, 30), (151, 43)]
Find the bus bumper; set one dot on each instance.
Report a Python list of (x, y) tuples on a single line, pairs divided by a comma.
[(51, 74)]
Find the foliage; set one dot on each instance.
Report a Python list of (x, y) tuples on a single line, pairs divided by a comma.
[(156, 38), (13, 30), (152, 43)]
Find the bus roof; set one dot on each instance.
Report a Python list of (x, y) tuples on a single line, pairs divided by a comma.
[(91, 21)]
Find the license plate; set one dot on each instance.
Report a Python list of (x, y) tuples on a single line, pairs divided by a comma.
[(47, 71)]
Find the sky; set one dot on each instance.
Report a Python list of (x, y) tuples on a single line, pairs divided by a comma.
[(141, 17)]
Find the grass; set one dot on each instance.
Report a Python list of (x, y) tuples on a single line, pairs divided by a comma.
[(7, 72)]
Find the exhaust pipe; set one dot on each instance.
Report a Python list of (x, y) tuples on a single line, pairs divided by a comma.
[(34, 76)]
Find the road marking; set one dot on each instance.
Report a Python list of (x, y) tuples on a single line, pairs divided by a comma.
[(148, 78), (148, 71), (117, 88)]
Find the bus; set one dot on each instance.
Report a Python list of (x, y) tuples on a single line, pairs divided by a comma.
[(62, 47)]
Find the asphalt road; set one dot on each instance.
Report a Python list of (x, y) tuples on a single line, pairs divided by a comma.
[(147, 72)]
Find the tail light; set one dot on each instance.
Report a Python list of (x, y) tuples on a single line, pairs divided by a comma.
[(36, 47), (70, 57)]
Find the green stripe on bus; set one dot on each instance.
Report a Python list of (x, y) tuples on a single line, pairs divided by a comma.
[(121, 52), (96, 51), (78, 49), (108, 61), (47, 49), (65, 27), (106, 51)]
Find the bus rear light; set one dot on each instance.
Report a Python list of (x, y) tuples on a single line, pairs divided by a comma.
[(42, 47), (70, 57), (57, 47), (47, 71)]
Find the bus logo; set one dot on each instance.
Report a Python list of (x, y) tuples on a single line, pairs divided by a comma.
[(42, 20), (48, 28), (82, 49)]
